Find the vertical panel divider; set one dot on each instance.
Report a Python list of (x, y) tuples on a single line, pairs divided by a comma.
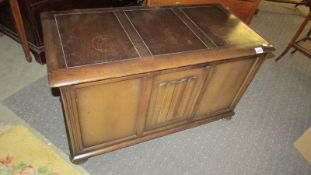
[(146, 88), (71, 119), (207, 76)]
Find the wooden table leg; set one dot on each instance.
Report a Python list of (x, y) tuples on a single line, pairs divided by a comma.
[(20, 28), (293, 40)]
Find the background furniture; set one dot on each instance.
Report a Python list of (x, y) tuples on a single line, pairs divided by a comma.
[(19, 25), (141, 73), (244, 9), (30, 11), (300, 45), (303, 45)]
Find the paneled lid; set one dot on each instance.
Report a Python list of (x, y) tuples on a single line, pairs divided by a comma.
[(93, 44)]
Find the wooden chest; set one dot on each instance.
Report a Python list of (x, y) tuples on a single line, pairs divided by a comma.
[(127, 75)]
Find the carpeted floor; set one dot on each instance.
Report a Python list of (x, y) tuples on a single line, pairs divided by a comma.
[(273, 113), (24, 152)]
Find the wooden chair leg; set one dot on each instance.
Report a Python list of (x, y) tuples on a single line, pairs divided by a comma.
[(20, 28), (297, 34), (294, 51)]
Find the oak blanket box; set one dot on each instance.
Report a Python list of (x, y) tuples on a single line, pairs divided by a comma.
[(128, 75)]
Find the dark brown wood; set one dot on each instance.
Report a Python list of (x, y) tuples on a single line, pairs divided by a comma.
[(172, 70), (303, 45), (245, 10), (214, 19), (30, 11), (173, 35), (76, 49)]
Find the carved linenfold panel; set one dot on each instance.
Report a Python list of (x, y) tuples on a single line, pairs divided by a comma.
[(170, 94), (172, 98), (186, 100)]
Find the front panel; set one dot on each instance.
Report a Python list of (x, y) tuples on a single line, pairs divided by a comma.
[(173, 97), (108, 112), (222, 86)]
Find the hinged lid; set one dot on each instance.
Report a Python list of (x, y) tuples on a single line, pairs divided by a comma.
[(106, 43)]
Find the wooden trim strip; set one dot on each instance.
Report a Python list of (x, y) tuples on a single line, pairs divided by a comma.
[(77, 75), (34, 4), (202, 36), (144, 103), (199, 96), (133, 36), (71, 120), (60, 41), (137, 33), (55, 58), (209, 72)]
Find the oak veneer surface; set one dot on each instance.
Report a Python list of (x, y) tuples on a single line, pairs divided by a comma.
[(224, 86), (128, 75)]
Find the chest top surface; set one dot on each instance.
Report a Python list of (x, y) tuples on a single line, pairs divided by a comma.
[(86, 38)]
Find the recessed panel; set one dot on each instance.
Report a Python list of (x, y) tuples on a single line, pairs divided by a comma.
[(224, 29), (108, 112), (173, 97), (93, 38), (224, 84), (163, 32)]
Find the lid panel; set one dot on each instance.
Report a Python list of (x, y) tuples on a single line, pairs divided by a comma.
[(221, 27), (93, 38), (85, 45), (163, 32)]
